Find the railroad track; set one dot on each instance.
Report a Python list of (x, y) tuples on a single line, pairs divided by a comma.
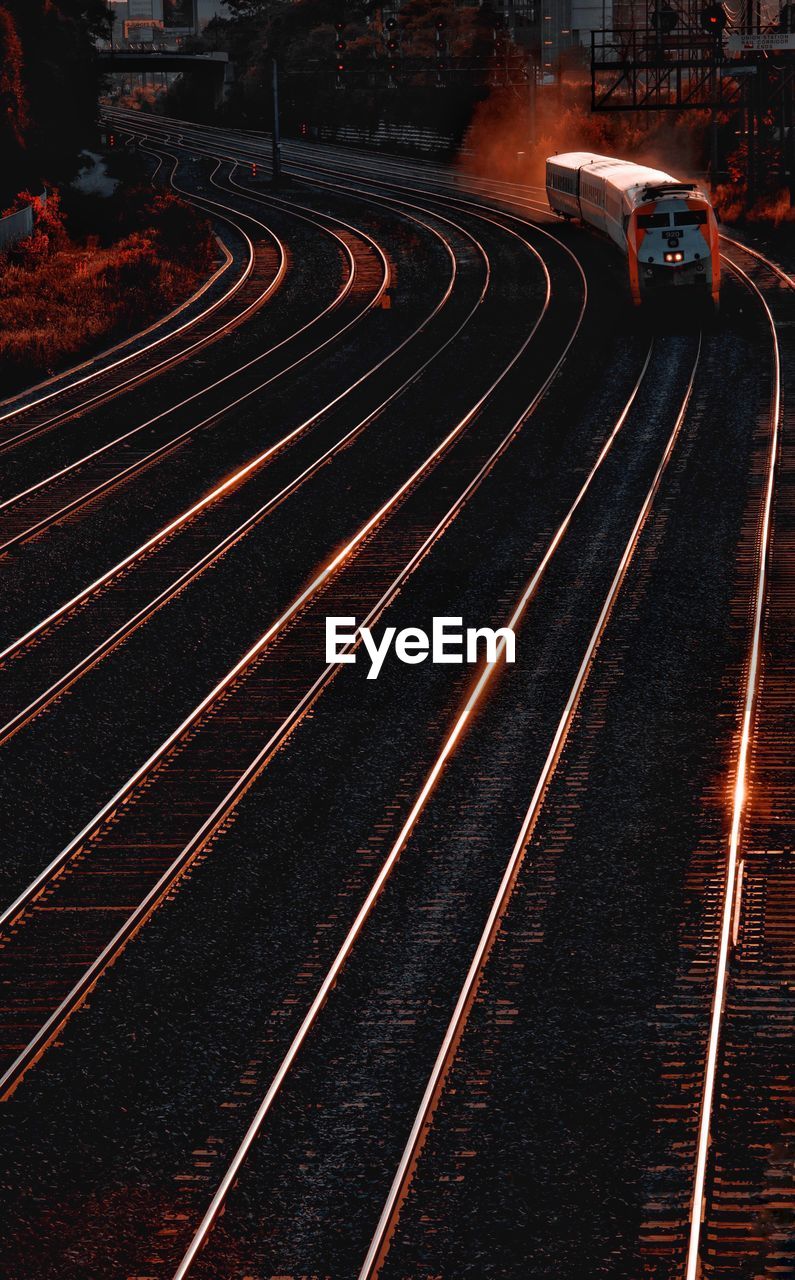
[(729, 1209), (281, 676), (38, 659), (729, 1089), (382, 553), (39, 410), (748, 1224), (416, 528), (409, 1002), (236, 512), (69, 488), (748, 1228)]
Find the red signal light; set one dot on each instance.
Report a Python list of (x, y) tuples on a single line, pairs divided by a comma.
[(714, 18)]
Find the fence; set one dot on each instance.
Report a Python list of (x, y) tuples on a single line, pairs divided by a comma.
[(389, 136), (18, 226)]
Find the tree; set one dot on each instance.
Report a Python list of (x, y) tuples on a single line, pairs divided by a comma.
[(13, 101), (246, 10), (50, 83)]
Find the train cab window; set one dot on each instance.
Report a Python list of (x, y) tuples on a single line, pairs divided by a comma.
[(648, 220), (698, 218)]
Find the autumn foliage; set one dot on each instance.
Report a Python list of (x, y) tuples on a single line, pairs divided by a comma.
[(49, 85), (60, 300)]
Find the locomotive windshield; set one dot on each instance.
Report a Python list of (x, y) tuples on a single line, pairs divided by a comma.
[(694, 219)]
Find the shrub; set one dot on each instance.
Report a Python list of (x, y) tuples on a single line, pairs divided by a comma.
[(60, 298)]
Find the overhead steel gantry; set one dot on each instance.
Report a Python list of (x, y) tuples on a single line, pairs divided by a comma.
[(641, 69), (674, 64)]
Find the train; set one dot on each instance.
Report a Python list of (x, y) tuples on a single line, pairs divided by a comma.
[(665, 228)]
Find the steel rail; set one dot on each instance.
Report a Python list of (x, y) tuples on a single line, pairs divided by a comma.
[(65, 681), (231, 481), (439, 450), (778, 271), (739, 790), (70, 411), (361, 161), (457, 197), (89, 660), (167, 445), (380, 1241), (731, 885), (487, 672), (37, 1045), (698, 1206)]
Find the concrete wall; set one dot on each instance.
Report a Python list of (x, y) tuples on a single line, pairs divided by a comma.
[(17, 226)]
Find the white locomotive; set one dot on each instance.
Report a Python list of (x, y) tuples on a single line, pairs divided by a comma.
[(666, 228)]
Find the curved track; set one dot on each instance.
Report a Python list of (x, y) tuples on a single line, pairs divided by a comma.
[(465, 870)]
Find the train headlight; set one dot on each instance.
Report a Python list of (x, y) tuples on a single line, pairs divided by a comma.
[(674, 257)]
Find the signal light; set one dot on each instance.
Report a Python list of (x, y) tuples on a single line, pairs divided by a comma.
[(339, 49), (713, 19), (391, 24), (440, 24), (111, 141), (392, 46), (253, 168)]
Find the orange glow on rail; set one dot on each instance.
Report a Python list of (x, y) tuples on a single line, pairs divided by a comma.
[(727, 931)]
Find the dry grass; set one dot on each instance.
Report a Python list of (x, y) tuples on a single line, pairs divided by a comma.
[(60, 302)]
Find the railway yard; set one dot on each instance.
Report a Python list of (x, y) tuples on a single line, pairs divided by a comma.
[(466, 971)]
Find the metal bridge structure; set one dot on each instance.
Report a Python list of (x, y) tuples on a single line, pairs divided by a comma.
[(214, 68), (668, 61)]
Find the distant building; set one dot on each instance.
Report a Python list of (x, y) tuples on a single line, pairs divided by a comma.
[(587, 16), (141, 21), (554, 28)]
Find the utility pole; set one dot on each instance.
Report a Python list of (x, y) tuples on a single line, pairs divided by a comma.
[(276, 135)]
